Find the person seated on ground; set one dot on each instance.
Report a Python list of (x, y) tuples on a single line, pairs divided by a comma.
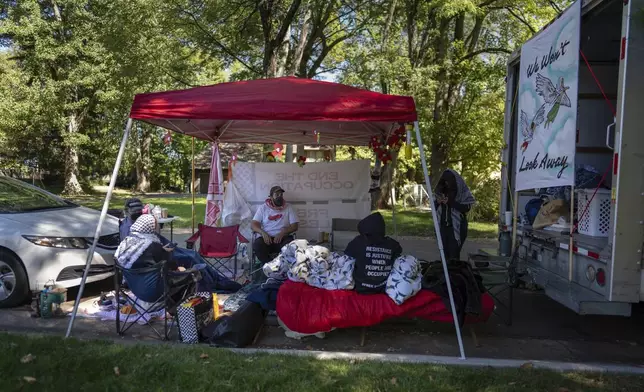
[(142, 248), (453, 201), (182, 257), (276, 222), (375, 254)]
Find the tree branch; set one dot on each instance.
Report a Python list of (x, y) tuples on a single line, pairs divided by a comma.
[(481, 51), (326, 70), (555, 6), (218, 43), (487, 3), (521, 19), (286, 22)]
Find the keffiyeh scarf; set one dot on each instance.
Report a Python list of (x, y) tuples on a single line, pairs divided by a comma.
[(270, 204), (142, 235)]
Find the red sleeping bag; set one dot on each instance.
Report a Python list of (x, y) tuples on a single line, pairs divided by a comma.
[(307, 309)]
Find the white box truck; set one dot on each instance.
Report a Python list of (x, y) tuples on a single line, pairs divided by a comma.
[(604, 275)]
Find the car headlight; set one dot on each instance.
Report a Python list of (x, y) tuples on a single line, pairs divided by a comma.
[(58, 242)]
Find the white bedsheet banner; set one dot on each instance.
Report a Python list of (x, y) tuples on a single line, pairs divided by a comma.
[(547, 121), (332, 181), (318, 192)]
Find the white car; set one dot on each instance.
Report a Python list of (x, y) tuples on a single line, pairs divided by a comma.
[(45, 239)]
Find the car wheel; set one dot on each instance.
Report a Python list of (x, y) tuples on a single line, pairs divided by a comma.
[(14, 285)]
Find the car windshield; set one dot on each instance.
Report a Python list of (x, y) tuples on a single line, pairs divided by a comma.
[(17, 196)]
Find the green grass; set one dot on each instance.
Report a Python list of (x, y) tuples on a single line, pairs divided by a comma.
[(71, 365), (410, 222), (419, 223), (177, 206)]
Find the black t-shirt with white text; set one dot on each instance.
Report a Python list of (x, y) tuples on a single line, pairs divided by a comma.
[(374, 263)]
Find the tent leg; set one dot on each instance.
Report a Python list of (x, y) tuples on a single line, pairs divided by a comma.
[(192, 185), (391, 198), (106, 203), (439, 240)]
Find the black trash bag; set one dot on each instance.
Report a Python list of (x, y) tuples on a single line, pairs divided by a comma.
[(236, 330)]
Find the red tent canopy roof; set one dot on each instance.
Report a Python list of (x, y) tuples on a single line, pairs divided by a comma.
[(288, 110)]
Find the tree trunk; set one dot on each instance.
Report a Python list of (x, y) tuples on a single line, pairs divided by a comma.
[(143, 162), (72, 186), (318, 22), (283, 53), (438, 147), (384, 85), (299, 50), (272, 44), (437, 161), (387, 181)]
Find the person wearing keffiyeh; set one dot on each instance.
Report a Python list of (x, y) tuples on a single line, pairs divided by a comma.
[(453, 201), (142, 246)]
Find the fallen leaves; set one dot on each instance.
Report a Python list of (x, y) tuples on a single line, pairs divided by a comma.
[(204, 356), (27, 358), (527, 365), (393, 381), (117, 371), (30, 380)]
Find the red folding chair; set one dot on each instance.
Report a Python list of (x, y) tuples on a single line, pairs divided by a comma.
[(217, 244)]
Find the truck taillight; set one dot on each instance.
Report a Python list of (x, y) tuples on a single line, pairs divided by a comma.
[(601, 277)]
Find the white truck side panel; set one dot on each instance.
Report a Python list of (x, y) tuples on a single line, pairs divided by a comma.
[(628, 184)]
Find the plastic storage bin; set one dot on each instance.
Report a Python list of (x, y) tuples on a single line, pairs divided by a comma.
[(596, 220)]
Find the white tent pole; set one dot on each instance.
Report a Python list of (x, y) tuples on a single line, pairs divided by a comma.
[(106, 203), (439, 240)]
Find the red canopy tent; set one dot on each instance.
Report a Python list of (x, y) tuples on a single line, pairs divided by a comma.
[(285, 110)]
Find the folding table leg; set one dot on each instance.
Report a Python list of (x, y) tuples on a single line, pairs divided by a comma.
[(363, 334)]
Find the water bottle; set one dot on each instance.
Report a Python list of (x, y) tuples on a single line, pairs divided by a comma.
[(505, 244)]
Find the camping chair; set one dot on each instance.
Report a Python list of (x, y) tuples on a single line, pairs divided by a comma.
[(498, 278), (255, 268), (255, 272), (152, 291), (217, 245), (343, 229)]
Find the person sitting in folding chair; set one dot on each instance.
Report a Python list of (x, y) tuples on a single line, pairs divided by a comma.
[(154, 282), (142, 249), (276, 222), (212, 281)]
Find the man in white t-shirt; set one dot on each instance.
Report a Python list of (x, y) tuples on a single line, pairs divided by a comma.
[(275, 221)]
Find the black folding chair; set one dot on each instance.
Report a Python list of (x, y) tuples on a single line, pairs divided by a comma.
[(499, 276), (154, 288)]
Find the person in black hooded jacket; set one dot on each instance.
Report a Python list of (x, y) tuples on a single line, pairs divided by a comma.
[(375, 254)]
